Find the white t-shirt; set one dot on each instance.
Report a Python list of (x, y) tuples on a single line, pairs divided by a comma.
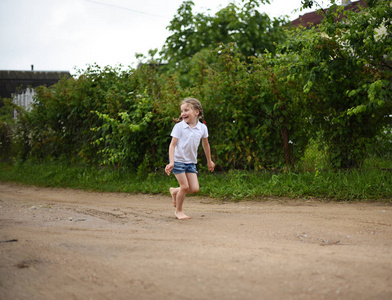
[(188, 141)]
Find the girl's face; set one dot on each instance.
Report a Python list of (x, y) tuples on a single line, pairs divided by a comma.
[(188, 114)]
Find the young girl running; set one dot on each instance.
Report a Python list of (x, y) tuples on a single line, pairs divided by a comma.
[(186, 136)]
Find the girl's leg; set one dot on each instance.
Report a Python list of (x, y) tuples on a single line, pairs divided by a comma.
[(173, 192), (193, 187), (193, 183), (183, 190), (188, 184)]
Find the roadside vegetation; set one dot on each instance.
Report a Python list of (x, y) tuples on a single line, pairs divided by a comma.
[(371, 183), (292, 112)]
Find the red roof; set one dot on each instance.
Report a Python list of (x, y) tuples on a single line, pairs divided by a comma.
[(315, 17)]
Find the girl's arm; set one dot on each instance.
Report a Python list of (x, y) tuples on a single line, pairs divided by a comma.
[(207, 151), (172, 146)]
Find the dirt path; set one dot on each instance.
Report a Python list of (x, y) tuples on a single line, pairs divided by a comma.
[(67, 244)]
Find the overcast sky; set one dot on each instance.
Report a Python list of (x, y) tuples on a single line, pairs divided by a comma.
[(66, 35)]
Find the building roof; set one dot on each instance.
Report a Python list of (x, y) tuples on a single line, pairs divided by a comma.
[(15, 81), (315, 17)]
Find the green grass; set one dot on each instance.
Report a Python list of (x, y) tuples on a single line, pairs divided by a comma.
[(369, 184)]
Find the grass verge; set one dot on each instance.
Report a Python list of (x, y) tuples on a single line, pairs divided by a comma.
[(370, 185)]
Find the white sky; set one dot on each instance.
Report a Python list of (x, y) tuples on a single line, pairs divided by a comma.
[(63, 35)]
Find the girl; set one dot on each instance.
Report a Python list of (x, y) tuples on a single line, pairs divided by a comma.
[(186, 136)]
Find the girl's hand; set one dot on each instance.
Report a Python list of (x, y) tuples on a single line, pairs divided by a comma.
[(211, 166), (169, 168)]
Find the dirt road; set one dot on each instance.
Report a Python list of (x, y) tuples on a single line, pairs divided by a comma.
[(67, 244)]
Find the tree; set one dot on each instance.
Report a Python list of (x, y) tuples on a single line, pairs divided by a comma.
[(252, 31)]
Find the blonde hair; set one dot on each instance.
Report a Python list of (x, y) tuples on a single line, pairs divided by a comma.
[(196, 105)]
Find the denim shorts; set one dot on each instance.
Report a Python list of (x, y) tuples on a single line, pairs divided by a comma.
[(180, 167)]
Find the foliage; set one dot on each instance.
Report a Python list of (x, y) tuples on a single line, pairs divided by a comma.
[(124, 118), (347, 71), (125, 137), (102, 116), (252, 32), (63, 114), (6, 126), (248, 109), (382, 148)]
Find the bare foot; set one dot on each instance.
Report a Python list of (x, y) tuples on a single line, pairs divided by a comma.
[(173, 196), (181, 216)]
